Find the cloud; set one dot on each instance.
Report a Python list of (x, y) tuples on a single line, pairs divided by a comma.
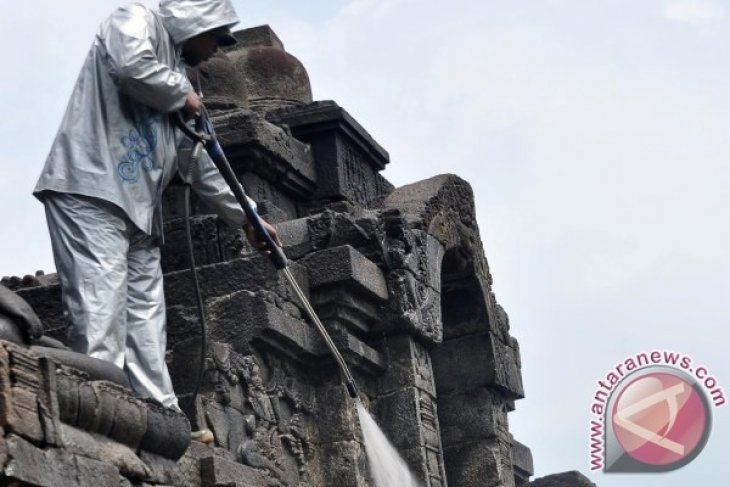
[(694, 10)]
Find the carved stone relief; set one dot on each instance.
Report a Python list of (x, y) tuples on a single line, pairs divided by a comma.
[(274, 410)]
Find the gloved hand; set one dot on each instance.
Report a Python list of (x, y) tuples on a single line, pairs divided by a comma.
[(193, 105), (256, 241)]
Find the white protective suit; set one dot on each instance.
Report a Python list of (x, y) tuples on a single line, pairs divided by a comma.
[(115, 152)]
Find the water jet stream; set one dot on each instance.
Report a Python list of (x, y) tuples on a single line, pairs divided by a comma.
[(387, 468)]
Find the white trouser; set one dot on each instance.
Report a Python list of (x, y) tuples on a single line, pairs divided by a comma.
[(111, 284)]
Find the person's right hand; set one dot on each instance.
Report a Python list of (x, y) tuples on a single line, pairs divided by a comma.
[(193, 105)]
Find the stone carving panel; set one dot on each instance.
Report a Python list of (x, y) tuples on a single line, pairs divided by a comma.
[(414, 278), (358, 176), (261, 415)]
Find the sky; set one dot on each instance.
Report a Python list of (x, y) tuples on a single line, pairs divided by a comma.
[(595, 134)]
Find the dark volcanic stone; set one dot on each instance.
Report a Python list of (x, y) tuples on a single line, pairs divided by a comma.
[(168, 432), (16, 308), (95, 368), (215, 471), (566, 479)]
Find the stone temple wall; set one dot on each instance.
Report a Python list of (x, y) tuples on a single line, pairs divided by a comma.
[(397, 275)]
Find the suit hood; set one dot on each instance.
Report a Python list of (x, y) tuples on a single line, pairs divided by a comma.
[(184, 19)]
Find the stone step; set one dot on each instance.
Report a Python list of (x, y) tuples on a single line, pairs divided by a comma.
[(218, 472), (243, 319), (253, 273)]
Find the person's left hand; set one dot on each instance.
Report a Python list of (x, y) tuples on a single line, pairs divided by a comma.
[(258, 243)]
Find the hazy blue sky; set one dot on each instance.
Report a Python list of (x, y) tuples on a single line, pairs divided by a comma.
[(595, 134)]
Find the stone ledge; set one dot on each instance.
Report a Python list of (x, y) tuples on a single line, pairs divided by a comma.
[(217, 471), (252, 272), (522, 463), (347, 158), (345, 266), (323, 115)]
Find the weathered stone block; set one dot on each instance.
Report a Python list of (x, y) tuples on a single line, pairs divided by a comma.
[(348, 159), (93, 473), (415, 433), (261, 148), (3, 448), (409, 365), (206, 245), (190, 462), (448, 364), (476, 465), (216, 471), (336, 415), (345, 266), (399, 415), (508, 377), (295, 236), (213, 242), (522, 463), (253, 272), (272, 214), (46, 302), (470, 416), (341, 309), (25, 461), (444, 207), (349, 290), (427, 465), (97, 447), (20, 384), (243, 316), (161, 470), (345, 464), (273, 204), (333, 228), (490, 363), (359, 355), (25, 418), (566, 479)]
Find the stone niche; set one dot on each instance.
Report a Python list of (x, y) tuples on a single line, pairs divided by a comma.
[(397, 275)]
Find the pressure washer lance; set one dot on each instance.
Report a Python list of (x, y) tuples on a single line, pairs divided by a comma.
[(204, 136)]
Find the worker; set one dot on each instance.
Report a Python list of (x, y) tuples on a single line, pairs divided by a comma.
[(102, 184)]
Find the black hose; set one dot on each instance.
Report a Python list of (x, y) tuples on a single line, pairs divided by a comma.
[(194, 274)]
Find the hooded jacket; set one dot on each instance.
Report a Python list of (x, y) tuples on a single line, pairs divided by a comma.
[(116, 141)]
